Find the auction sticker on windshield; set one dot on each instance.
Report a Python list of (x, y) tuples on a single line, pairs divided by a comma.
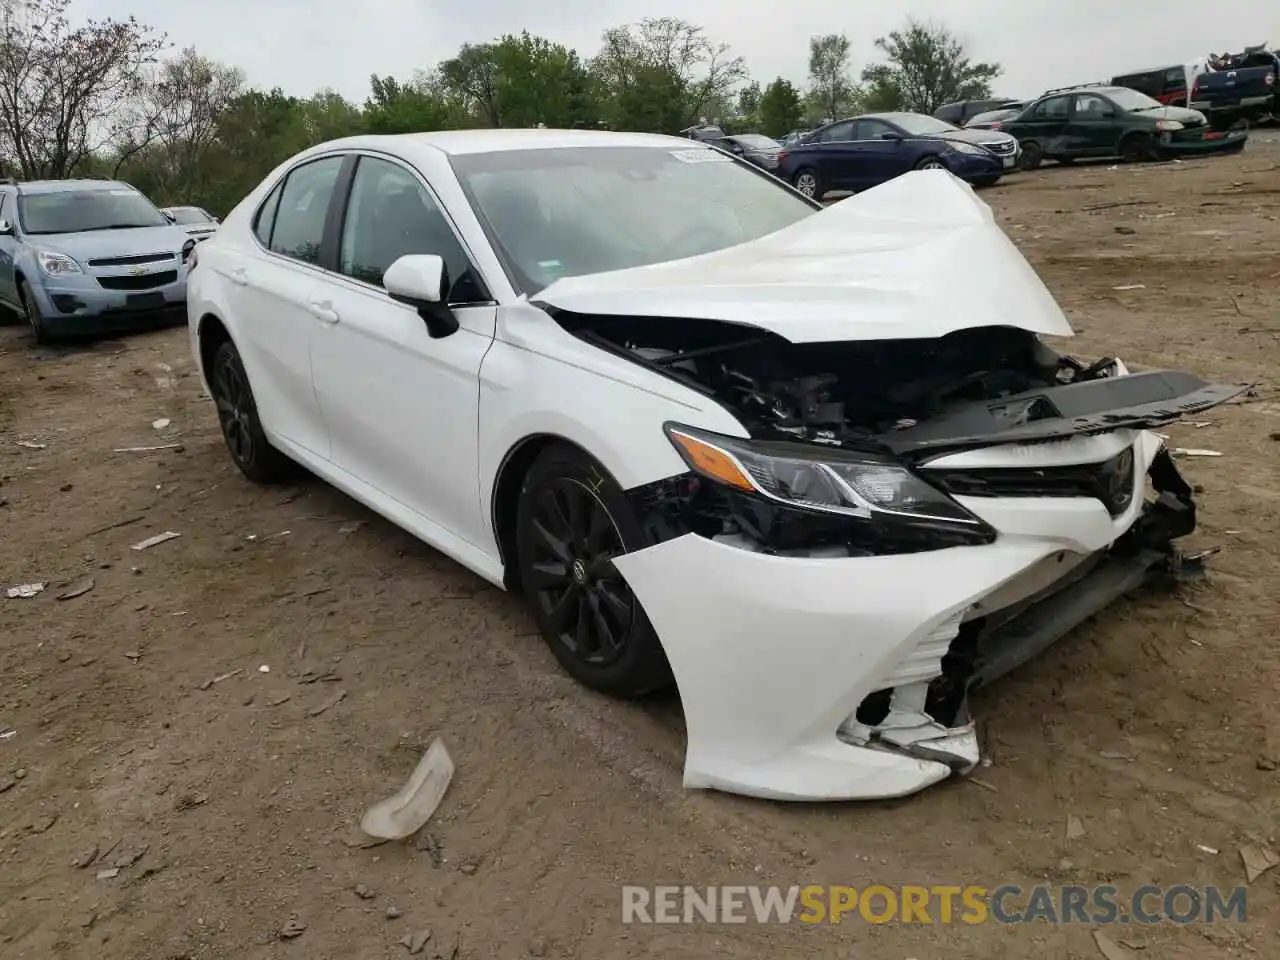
[(701, 155)]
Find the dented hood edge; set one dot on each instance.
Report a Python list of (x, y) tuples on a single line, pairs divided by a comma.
[(919, 256)]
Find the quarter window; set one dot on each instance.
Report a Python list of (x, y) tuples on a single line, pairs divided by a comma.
[(266, 217), (391, 215), (304, 204)]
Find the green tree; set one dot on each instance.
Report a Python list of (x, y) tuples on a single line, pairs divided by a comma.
[(831, 87), (423, 105), (675, 58), (781, 109), (473, 73), (749, 100), (927, 66), (537, 81)]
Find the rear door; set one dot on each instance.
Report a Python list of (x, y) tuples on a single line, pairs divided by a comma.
[(8, 250), (272, 295)]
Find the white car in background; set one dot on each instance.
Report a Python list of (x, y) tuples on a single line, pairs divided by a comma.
[(197, 221), (795, 461)]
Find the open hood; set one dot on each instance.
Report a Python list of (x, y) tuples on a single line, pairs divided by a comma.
[(918, 256)]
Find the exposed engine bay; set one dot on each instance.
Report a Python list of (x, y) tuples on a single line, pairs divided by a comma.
[(856, 394)]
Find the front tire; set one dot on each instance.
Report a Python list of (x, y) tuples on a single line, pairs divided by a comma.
[(35, 319), (1137, 147), (1032, 156), (238, 418), (572, 520), (931, 163)]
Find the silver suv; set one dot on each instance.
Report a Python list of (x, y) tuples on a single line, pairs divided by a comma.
[(89, 256)]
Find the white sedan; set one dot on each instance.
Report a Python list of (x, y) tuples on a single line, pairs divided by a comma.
[(815, 468)]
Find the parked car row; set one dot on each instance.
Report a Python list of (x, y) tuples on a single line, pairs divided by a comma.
[(92, 256), (719, 436)]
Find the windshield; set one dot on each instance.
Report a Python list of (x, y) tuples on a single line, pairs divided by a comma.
[(188, 215), (918, 125), (566, 212), (756, 140), (74, 211), (1131, 100)]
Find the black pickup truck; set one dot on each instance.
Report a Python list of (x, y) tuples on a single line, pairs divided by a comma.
[(1239, 87)]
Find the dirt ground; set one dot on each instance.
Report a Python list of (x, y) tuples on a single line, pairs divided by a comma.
[(228, 807)]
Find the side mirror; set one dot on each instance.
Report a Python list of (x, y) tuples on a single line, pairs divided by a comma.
[(6, 228), (169, 216), (890, 135), (421, 281)]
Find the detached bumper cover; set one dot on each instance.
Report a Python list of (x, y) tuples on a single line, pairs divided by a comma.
[(774, 655)]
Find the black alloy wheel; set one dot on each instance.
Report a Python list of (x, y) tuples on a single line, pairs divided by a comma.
[(573, 521), (238, 418)]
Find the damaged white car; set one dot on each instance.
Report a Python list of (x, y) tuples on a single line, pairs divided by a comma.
[(796, 462)]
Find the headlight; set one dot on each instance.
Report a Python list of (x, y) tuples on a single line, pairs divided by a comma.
[(187, 249), (56, 264), (825, 481), (971, 148), (1168, 125)]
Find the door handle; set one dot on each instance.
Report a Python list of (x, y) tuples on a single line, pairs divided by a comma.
[(239, 277), (323, 310)]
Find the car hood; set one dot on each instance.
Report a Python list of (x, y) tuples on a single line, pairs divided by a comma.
[(1180, 114), (97, 244), (977, 135), (918, 256)]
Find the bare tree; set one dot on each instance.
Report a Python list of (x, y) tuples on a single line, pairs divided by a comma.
[(176, 118), (62, 88)]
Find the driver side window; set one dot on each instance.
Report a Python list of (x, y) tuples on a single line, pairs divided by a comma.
[(391, 214), (837, 132), (1055, 108)]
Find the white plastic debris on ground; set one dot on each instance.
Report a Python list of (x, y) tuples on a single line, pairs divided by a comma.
[(408, 811)]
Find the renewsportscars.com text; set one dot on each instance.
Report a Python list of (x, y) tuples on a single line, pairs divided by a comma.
[(1008, 904)]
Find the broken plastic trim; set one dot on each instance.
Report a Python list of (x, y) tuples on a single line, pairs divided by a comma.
[(1135, 401), (986, 648)]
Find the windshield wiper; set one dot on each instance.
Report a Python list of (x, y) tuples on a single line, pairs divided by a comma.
[(116, 226)]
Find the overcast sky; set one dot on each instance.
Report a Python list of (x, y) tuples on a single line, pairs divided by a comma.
[(305, 46)]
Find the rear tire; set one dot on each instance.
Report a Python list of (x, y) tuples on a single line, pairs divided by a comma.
[(806, 180), (1032, 156), (35, 319), (238, 418), (572, 519)]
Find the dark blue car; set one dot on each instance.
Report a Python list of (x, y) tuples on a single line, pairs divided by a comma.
[(864, 151)]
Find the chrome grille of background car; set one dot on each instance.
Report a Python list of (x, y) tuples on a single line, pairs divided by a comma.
[(1111, 482), (132, 260), (1001, 147)]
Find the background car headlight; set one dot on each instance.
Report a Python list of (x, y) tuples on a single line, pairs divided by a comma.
[(1168, 125), (819, 480), (970, 148), (56, 264)]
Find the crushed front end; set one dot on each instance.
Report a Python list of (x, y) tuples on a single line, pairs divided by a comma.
[(897, 530)]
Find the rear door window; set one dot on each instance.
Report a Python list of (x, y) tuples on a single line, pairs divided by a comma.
[(304, 206)]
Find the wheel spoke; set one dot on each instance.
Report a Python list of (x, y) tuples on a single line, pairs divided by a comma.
[(558, 547), (549, 575), (607, 641), (582, 633), (558, 615), (225, 409), (614, 601)]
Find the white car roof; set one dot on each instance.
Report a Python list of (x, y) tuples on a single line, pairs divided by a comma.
[(459, 142)]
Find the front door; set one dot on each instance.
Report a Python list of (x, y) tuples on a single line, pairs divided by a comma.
[(1093, 128), (402, 408), (1047, 125), (272, 288), (8, 250)]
